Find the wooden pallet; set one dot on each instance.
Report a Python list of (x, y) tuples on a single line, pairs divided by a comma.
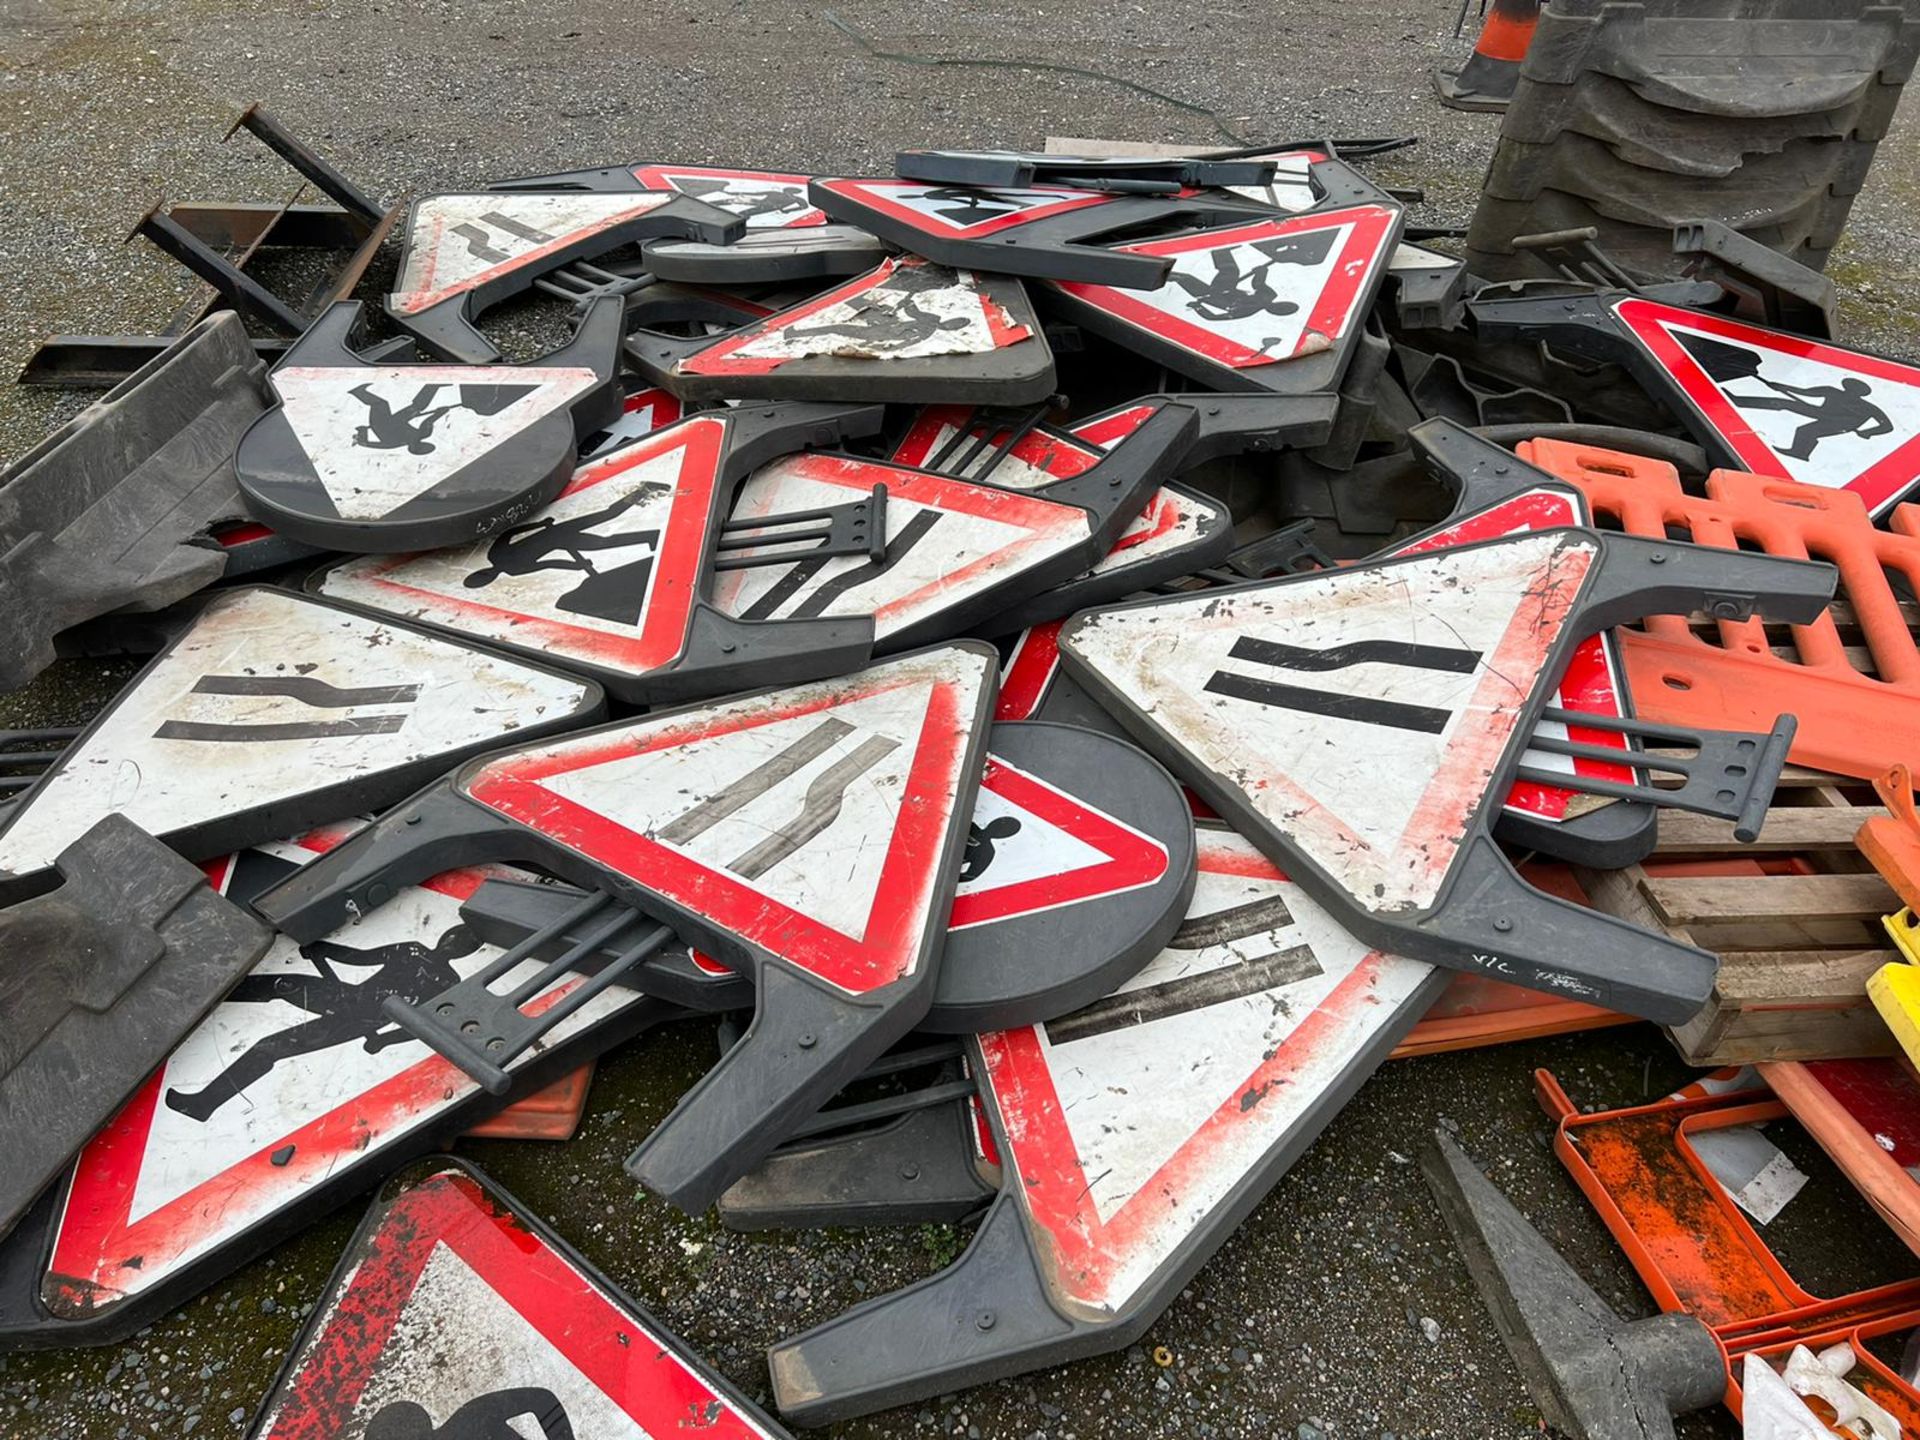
[(1794, 917)]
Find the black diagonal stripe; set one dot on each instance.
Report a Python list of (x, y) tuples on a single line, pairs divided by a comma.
[(1188, 993), (1449, 658), (291, 730), (1236, 922), (911, 534), (1426, 719), (307, 690)]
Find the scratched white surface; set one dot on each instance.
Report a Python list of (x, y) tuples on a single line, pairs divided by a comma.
[(1382, 809), (868, 324), (465, 697)]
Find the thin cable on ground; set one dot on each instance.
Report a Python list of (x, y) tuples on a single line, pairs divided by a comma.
[(1049, 66)]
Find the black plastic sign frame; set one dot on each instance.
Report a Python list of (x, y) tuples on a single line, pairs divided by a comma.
[(616, 578), (380, 458), (1041, 232), (1353, 723), (461, 253), (908, 330), (1124, 1164), (274, 712), (810, 837), (1498, 494), (963, 554)]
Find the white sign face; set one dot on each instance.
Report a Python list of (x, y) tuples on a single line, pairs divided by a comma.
[(270, 695), (456, 242), (1132, 1120), (295, 1078), (1361, 712), (605, 575), (810, 821), (1792, 407), (947, 540), (379, 436)]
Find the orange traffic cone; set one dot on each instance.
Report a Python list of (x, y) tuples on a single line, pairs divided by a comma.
[(1487, 80)]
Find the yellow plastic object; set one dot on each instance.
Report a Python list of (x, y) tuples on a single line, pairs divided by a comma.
[(1895, 992)]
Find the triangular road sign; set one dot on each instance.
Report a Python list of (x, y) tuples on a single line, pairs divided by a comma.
[(455, 1312), (612, 578), (464, 252), (1077, 867), (1142, 1129), (293, 1095), (1352, 723), (1177, 531), (1268, 304), (274, 708), (958, 553), (908, 330), (810, 837), (1788, 406), (359, 456)]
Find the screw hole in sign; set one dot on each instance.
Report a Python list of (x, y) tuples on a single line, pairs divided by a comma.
[(1675, 682)]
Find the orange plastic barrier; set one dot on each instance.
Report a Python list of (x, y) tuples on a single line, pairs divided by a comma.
[(1858, 700)]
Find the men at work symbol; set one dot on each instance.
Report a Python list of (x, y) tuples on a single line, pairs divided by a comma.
[(617, 593), (485, 1417), (409, 428), (1831, 410), (341, 1008)]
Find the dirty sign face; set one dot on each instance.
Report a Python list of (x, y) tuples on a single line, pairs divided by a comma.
[(906, 309), (455, 1314), (457, 243), (1255, 295), (296, 1083), (1118, 1146), (269, 700), (808, 822), (1788, 406), (1362, 713), (606, 576), (764, 199)]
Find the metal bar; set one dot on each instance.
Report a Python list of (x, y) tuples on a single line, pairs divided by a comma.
[(277, 139), (290, 227), (241, 290), (845, 1116)]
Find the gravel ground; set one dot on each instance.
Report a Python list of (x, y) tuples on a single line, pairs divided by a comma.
[(1339, 1309)]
